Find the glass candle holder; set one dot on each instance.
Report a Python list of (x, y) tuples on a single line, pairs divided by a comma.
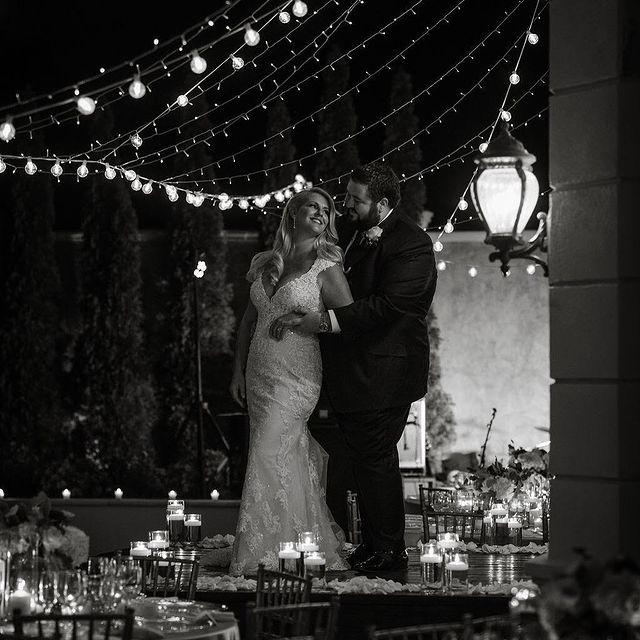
[(139, 549), (158, 540), (456, 571), (514, 532), (175, 520), (465, 501), (430, 564), (308, 541), (448, 541), (20, 597), (315, 565), (488, 527), (290, 559), (192, 528)]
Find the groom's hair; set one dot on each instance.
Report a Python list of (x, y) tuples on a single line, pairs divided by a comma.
[(381, 181)]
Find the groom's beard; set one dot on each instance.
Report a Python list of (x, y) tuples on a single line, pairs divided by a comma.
[(362, 224)]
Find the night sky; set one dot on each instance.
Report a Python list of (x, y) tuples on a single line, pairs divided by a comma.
[(47, 46)]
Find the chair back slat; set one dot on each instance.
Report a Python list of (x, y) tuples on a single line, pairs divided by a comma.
[(279, 588), (176, 577)]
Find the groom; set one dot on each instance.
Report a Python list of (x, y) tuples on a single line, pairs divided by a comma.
[(375, 352)]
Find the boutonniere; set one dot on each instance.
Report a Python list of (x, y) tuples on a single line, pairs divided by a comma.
[(372, 236)]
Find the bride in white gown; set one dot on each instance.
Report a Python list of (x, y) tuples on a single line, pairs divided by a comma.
[(279, 383)]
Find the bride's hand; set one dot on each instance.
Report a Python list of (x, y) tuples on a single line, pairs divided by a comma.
[(238, 388), (287, 322)]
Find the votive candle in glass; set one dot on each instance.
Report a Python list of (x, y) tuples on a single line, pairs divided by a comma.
[(456, 568), (430, 563), (193, 528), (315, 565), (158, 540), (515, 531), (290, 559), (448, 540), (139, 549), (308, 541)]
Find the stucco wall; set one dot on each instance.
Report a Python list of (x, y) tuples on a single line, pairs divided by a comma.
[(495, 346)]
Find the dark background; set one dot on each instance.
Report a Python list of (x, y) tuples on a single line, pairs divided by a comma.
[(45, 46)]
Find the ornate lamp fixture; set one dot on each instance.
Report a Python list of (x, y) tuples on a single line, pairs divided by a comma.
[(505, 193)]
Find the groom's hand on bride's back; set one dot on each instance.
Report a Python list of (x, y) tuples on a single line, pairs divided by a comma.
[(293, 321)]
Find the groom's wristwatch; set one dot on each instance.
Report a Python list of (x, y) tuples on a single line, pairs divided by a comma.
[(325, 323)]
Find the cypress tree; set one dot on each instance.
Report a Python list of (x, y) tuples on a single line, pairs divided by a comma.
[(195, 233), (29, 289), (280, 152), (335, 123), (110, 441), (406, 160), (440, 420)]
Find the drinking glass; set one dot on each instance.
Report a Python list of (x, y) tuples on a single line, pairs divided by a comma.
[(130, 576)]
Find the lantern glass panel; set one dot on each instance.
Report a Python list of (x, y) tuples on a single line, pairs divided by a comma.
[(498, 191)]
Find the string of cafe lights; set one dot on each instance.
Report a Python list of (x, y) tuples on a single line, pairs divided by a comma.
[(244, 116), (198, 65), (211, 131), (244, 202), (364, 128), (184, 39), (84, 104), (183, 99)]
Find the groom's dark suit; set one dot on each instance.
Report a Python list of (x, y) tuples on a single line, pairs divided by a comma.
[(378, 364)]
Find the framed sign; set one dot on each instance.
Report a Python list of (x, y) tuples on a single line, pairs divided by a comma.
[(411, 446)]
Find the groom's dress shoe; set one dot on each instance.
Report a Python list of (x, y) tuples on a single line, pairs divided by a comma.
[(383, 561), (359, 554)]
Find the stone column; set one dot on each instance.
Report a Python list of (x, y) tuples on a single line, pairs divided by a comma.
[(594, 254)]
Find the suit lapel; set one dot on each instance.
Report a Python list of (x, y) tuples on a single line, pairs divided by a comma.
[(358, 251)]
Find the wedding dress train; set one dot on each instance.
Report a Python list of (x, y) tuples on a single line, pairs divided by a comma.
[(283, 491)]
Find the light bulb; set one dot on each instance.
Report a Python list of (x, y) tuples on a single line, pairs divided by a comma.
[(83, 170), (533, 38), (56, 169), (86, 105), (189, 197), (463, 205), (198, 273), (198, 199), (173, 196), (288, 193), (223, 197), (202, 265), (137, 88), (284, 17), (3, 166), (298, 187), (198, 64), (109, 173), (505, 115), (438, 246), (483, 147), (243, 203), (531, 269), (299, 9), (442, 265), (448, 228), (237, 62), (514, 78), (147, 188), (7, 131), (473, 272), (30, 167), (299, 178), (136, 185), (251, 36), (130, 175), (136, 141), (279, 196)]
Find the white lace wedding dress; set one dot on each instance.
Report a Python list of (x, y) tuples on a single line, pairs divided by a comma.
[(283, 491)]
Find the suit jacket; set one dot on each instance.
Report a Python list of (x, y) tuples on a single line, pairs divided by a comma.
[(381, 356)]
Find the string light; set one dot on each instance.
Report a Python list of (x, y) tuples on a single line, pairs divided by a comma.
[(3, 166), (86, 105), (514, 78), (483, 147), (448, 228), (136, 185), (182, 100), (438, 246), (147, 188), (7, 130), (463, 205), (299, 9), (251, 36), (130, 175), (137, 88), (237, 62), (83, 170), (198, 64), (30, 168), (56, 169), (532, 38), (505, 115), (531, 269), (136, 141), (284, 17), (109, 172), (473, 272), (441, 265)]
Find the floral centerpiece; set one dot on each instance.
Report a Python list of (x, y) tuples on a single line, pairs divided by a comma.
[(592, 600), (35, 526), (525, 474)]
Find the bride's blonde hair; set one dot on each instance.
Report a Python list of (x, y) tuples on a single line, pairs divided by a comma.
[(271, 263)]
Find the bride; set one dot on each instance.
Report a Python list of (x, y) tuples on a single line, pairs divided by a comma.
[(278, 381)]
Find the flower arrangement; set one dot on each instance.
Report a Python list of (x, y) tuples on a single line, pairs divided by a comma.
[(526, 472), (592, 600), (34, 525)]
